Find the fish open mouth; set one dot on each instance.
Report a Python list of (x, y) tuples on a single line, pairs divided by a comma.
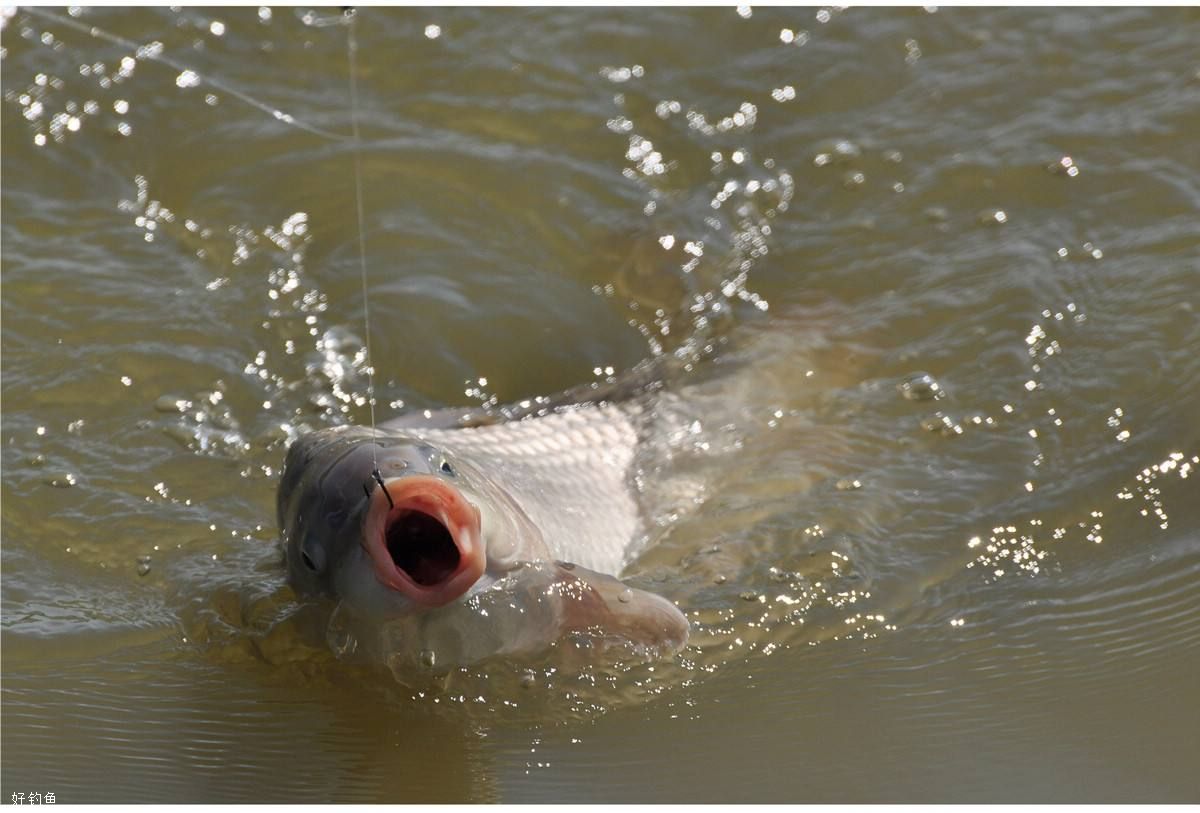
[(422, 547), (423, 538)]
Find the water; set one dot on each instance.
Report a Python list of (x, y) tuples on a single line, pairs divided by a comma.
[(982, 590)]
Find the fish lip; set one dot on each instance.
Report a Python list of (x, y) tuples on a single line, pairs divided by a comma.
[(444, 502)]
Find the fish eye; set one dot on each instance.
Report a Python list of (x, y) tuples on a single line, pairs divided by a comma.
[(308, 562), (446, 468)]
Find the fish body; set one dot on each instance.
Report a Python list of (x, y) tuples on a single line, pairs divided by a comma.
[(475, 540)]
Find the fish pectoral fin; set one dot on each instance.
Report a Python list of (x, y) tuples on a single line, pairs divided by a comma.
[(598, 604)]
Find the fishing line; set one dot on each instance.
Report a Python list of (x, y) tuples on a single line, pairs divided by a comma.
[(146, 52), (351, 18), (348, 18)]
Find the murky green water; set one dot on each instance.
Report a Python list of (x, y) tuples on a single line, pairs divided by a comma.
[(985, 592)]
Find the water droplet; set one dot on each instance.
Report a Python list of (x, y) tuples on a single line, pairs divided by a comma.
[(150, 50), (1065, 166), (942, 425), (188, 79), (921, 387), (625, 596), (170, 403), (61, 480)]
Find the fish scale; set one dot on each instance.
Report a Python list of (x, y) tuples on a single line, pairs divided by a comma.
[(570, 471)]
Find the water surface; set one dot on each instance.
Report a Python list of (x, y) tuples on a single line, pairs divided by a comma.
[(929, 499)]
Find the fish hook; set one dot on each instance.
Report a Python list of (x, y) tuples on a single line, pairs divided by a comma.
[(377, 477)]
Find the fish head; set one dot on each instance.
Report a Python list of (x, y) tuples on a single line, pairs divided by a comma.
[(388, 523)]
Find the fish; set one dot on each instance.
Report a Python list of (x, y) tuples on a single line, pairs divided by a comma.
[(458, 537)]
